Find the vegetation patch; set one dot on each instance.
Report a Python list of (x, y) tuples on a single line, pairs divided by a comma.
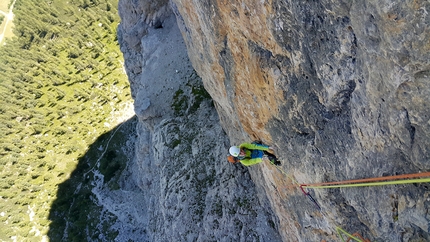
[(186, 103), (188, 99), (61, 77), (180, 102)]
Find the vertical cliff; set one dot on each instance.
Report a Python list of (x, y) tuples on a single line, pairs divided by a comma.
[(189, 191), (339, 87), (342, 89)]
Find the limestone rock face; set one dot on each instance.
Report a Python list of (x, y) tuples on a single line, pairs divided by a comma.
[(340, 88), (189, 192)]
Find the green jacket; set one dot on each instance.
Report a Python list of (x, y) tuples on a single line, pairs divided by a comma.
[(253, 153)]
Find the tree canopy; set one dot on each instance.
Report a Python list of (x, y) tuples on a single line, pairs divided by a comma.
[(61, 76)]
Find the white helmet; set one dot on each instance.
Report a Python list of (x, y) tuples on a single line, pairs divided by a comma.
[(234, 151)]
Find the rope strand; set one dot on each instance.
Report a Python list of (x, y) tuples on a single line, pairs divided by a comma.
[(350, 236), (376, 181), (405, 176), (368, 184)]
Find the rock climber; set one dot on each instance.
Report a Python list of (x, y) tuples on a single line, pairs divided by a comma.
[(252, 153)]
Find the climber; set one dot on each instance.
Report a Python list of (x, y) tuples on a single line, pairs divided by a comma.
[(252, 153)]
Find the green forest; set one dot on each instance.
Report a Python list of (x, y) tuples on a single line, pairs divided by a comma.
[(61, 78)]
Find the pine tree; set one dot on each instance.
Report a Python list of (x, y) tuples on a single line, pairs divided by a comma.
[(58, 63)]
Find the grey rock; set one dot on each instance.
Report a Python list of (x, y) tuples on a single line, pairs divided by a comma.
[(189, 190), (341, 89)]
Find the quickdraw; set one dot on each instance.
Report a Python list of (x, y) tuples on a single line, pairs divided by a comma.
[(310, 197), (375, 181), (307, 194)]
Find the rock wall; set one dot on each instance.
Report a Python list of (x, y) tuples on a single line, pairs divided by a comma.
[(341, 88), (189, 191)]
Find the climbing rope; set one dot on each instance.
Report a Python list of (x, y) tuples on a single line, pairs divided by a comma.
[(370, 183), (307, 194), (355, 236), (376, 181), (288, 176)]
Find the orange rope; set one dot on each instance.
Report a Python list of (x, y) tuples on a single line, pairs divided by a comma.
[(415, 175), (354, 236)]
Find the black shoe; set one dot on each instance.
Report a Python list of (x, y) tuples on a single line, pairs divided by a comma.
[(274, 161)]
